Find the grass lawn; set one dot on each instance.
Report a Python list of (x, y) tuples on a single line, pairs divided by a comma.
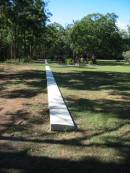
[(98, 97)]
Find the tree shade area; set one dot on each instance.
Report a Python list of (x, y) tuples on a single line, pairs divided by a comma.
[(26, 33)]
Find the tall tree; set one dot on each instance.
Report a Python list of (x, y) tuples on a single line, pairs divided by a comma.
[(97, 34), (26, 26)]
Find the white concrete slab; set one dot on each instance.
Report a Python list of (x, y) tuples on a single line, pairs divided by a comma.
[(60, 118)]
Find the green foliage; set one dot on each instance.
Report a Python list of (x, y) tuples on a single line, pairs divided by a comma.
[(24, 33), (69, 61), (22, 28), (56, 41), (125, 39), (97, 34)]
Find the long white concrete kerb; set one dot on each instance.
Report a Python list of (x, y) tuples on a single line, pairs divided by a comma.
[(60, 118)]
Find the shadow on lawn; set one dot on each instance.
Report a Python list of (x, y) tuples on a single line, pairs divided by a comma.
[(22, 120), (77, 141), (35, 81), (22, 161), (112, 63), (111, 108), (27, 84), (11, 159), (117, 83), (34, 164), (90, 80)]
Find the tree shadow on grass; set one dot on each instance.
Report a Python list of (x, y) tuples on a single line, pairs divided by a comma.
[(22, 161), (75, 142), (15, 122), (34, 87), (21, 93), (115, 83), (89, 80), (26, 163), (111, 108), (112, 63), (34, 164), (22, 121)]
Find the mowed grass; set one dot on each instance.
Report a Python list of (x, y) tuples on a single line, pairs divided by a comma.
[(98, 97)]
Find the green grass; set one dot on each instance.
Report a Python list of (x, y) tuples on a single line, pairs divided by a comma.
[(98, 97)]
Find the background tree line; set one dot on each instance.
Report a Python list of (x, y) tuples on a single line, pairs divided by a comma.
[(22, 28), (94, 36), (26, 33)]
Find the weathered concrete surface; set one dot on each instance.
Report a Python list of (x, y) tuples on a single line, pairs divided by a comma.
[(60, 118)]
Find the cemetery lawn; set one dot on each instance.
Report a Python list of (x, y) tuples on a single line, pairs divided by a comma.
[(98, 98)]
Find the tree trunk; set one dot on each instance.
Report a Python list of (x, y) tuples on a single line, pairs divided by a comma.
[(24, 40), (30, 51), (11, 51), (14, 44)]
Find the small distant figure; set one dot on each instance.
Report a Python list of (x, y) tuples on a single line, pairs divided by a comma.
[(77, 61), (82, 60), (46, 61), (85, 57), (93, 59)]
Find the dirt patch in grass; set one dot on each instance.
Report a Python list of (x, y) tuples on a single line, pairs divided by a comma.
[(20, 92)]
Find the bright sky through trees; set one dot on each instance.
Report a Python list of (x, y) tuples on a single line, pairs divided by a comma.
[(65, 11)]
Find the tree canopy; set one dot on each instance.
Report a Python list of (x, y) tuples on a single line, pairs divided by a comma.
[(97, 34), (22, 26), (26, 33)]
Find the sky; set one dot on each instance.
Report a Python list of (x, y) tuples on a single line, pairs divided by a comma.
[(67, 11)]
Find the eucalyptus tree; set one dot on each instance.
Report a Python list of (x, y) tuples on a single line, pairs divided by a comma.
[(5, 34), (56, 41), (23, 22)]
